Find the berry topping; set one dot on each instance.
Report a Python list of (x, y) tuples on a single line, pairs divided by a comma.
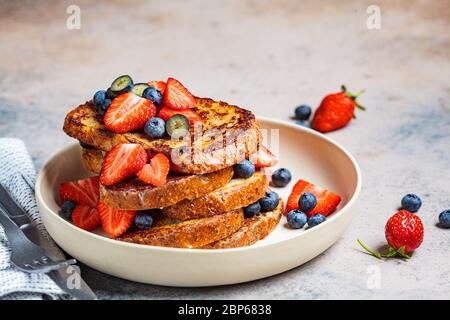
[(122, 84), (122, 162), (176, 96), (252, 209), (327, 201), (160, 85), (244, 169), (263, 158), (139, 88), (86, 217), (155, 128), (166, 113), (155, 173), (128, 112), (281, 177), (296, 219), (115, 222), (177, 126), (303, 112), (67, 209), (143, 220), (269, 201), (84, 191), (307, 202), (154, 95), (315, 220), (411, 203)]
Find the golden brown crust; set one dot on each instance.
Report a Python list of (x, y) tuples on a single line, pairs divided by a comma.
[(238, 193), (136, 195), (92, 160), (217, 150), (189, 234), (252, 230)]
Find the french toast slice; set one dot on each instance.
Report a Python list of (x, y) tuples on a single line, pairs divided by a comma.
[(187, 234), (224, 136), (253, 229), (238, 193), (136, 195), (92, 160)]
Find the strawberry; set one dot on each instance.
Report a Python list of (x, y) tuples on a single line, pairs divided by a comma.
[(335, 111), (122, 162), (176, 96), (166, 113), (85, 217), (327, 201), (155, 173), (263, 158), (115, 222), (160, 85), (84, 191), (404, 233), (128, 112)]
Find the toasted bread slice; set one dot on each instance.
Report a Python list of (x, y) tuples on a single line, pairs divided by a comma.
[(253, 229), (225, 135), (188, 234), (238, 193), (136, 195), (92, 160)]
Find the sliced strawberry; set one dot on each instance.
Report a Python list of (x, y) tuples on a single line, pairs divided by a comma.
[(327, 201), (115, 222), (86, 217), (176, 96), (122, 162), (155, 173), (84, 191), (166, 113), (263, 158), (128, 112), (160, 85)]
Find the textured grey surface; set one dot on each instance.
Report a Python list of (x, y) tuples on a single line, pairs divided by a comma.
[(268, 56)]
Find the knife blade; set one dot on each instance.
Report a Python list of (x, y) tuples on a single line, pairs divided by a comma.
[(61, 277)]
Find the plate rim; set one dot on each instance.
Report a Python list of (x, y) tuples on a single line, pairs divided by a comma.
[(150, 248)]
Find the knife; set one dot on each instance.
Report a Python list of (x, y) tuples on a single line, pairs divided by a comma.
[(61, 277)]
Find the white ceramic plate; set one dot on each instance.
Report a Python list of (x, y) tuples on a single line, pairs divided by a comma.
[(307, 154)]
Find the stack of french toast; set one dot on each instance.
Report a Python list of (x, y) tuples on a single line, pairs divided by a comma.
[(170, 169)]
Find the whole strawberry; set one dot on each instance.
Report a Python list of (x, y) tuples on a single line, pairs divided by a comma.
[(404, 233), (336, 111)]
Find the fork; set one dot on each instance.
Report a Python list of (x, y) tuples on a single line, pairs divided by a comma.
[(25, 255)]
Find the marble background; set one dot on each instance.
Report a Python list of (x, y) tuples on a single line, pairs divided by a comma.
[(269, 56)]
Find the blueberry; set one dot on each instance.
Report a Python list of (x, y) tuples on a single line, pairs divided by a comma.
[(303, 123), (99, 97), (315, 220), (155, 128), (103, 107), (244, 169), (307, 202), (444, 219), (296, 219), (143, 220), (303, 112), (85, 145), (252, 209), (269, 201), (281, 177), (153, 94), (411, 202), (67, 208)]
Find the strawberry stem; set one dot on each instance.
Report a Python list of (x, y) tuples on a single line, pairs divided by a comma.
[(375, 254), (354, 97)]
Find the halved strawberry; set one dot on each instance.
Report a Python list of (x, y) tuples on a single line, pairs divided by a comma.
[(327, 201), (115, 222), (128, 112), (122, 162), (166, 113), (263, 158), (160, 85), (176, 96), (84, 191), (86, 217), (155, 173)]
